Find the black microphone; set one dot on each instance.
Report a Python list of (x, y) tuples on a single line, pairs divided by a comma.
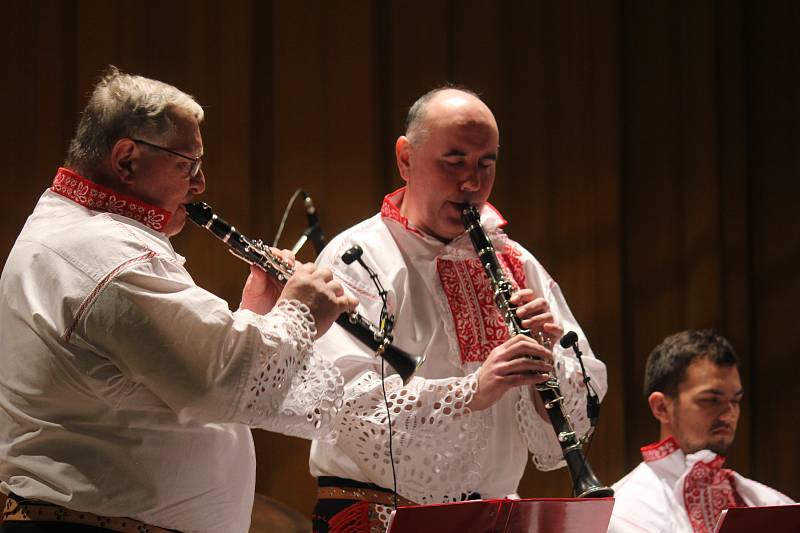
[(570, 340), (352, 254), (314, 229)]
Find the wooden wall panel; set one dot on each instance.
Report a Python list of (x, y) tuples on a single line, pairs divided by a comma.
[(774, 169), (39, 122), (646, 148)]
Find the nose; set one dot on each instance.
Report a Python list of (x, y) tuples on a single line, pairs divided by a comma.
[(730, 414), (471, 181), (197, 184)]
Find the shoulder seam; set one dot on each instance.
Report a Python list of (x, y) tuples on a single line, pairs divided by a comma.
[(92, 296)]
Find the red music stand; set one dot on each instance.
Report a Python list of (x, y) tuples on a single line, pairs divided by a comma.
[(775, 519), (545, 515)]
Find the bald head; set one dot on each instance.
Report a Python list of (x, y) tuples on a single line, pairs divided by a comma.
[(447, 158), (445, 103)]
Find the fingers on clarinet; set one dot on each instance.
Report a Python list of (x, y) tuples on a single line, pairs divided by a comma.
[(536, 307), (538, 322), (287, 255), (526, 366), (305, 268), (522, 296), (518, 380), (553, 330)]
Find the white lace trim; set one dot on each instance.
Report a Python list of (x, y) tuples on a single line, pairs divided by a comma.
[(289, 388), (538, 433), (436, 438), (384, 512)]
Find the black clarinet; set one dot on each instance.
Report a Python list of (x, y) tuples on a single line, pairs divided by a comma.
[(257, 253), (584, 483)]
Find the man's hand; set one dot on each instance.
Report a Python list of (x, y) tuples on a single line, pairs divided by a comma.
[(518, 362), (324, 296), (536, 316), (261, 291)]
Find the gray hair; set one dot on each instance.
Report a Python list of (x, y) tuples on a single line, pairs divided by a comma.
[(125, 105), (416, 127)]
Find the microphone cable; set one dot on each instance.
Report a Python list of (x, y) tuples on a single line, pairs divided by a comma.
[(351, 255), (292, 200)]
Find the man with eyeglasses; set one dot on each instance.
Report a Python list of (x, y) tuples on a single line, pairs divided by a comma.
[(127, 391), (693, 388)]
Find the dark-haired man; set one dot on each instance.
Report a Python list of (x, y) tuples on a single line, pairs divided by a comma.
[(466, 424), (126, 390), (693, 388)]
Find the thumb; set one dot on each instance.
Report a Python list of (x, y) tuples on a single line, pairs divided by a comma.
[(254, 287)]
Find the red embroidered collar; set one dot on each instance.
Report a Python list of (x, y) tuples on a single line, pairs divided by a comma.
[(659, 450), (98, 198), (391, 210), (668, 446)]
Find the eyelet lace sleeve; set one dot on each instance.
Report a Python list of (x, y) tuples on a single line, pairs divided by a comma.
[(537, 432), (289, 388), (436, 437)]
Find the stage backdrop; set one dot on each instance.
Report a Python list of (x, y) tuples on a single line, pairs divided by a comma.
[(649, 159)]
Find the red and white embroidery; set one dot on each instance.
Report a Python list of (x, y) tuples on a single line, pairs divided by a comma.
[(707, 490), (98, 198), (478, 323), (389, 209), (659, 450)]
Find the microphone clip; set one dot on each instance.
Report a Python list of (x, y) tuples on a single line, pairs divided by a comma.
[(570, 340), (386, 321)]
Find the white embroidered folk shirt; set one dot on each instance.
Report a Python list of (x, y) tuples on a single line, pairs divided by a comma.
[(126, 389), (671, 492), (444, 309)]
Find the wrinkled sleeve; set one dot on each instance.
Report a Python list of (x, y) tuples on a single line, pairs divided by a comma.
[(538, 432), (436, 438), (206, 363)]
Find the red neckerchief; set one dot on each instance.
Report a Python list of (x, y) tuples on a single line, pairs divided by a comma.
[(98, 198), (708, 488)]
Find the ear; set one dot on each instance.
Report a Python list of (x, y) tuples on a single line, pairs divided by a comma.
[(124, 156), (661, 407), (404, 151)]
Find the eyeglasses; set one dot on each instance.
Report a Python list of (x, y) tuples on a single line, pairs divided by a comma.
[(197, 162)]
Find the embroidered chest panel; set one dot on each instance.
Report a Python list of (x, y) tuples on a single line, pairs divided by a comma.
[(479, 325)]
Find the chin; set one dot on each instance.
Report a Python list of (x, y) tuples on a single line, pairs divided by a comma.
[(176, 223), (720, 447)]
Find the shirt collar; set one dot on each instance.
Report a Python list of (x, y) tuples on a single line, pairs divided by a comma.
[(390, 209), (669, 447), (659, 450), (98, 198)]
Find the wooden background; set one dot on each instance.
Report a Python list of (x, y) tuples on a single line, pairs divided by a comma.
[(649, 158)]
